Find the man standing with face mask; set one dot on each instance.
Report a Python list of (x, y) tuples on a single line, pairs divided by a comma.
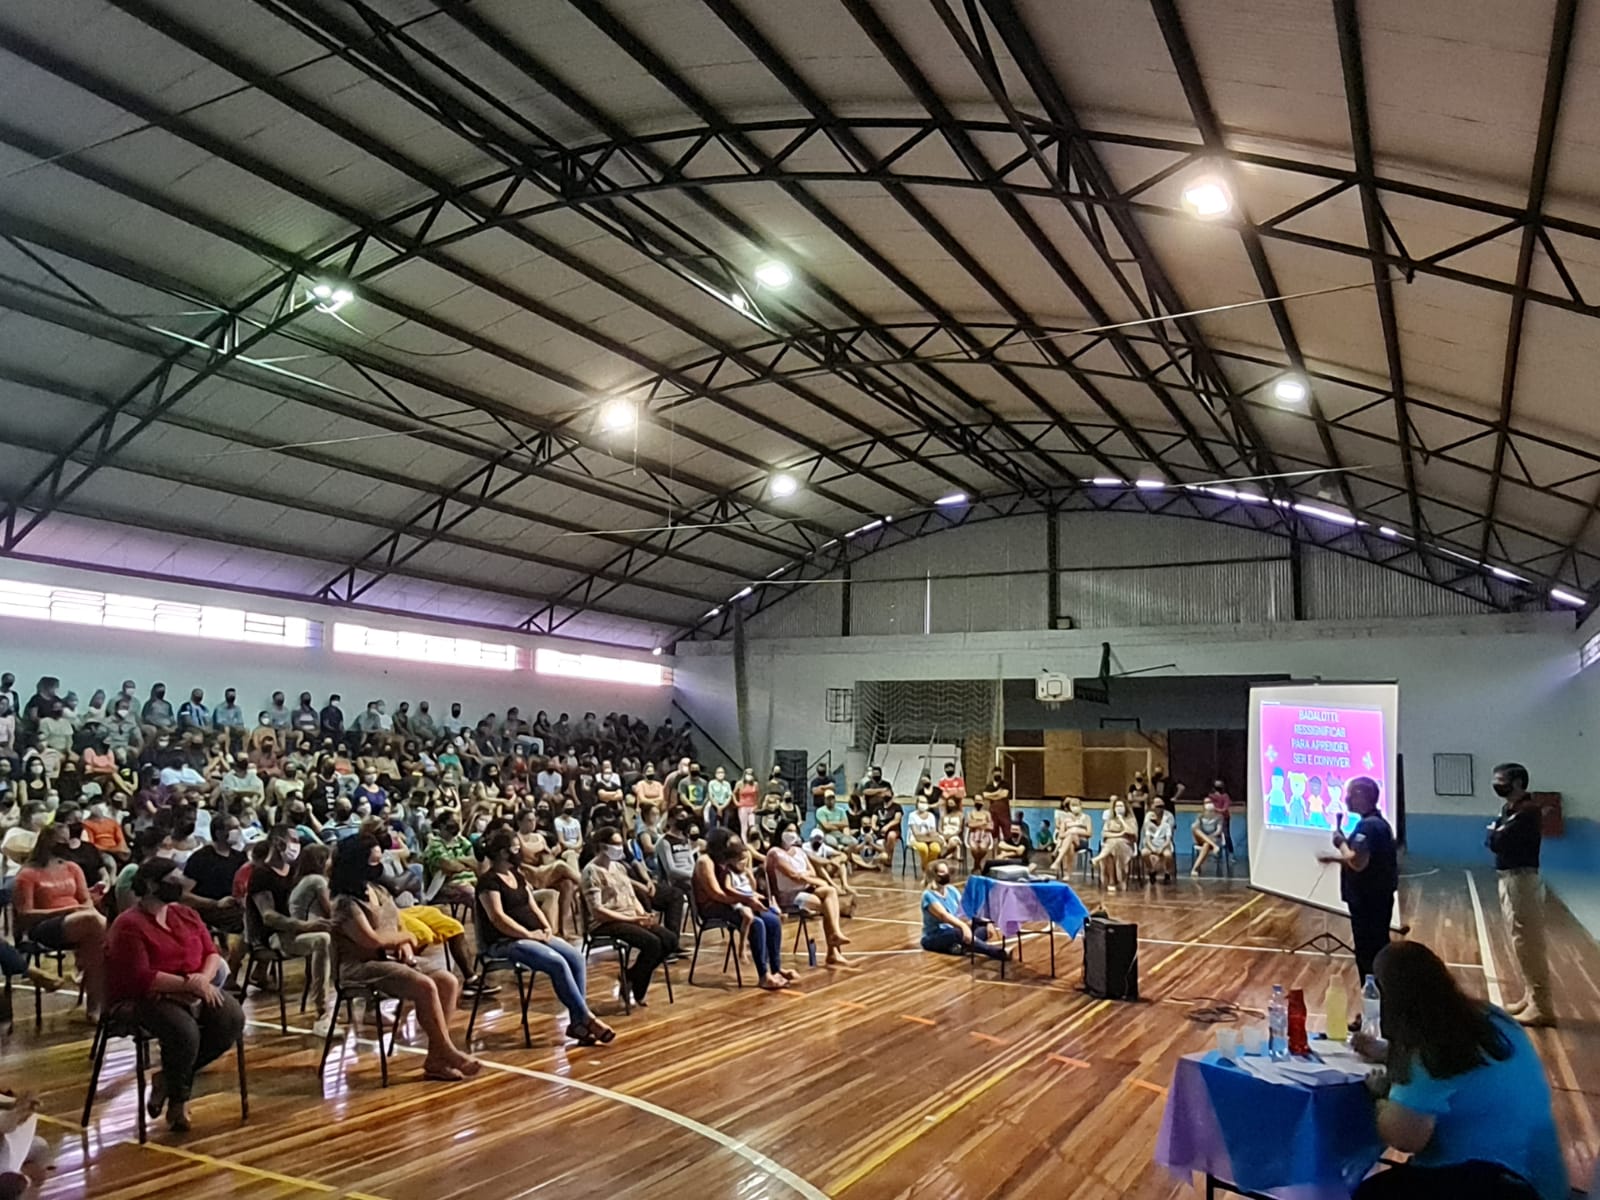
[(1516, 837)]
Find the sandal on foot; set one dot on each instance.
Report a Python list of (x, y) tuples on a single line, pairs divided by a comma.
[(443, 1074), (583, 1035)]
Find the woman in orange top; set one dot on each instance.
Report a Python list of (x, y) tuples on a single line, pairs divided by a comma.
[(53, 908)]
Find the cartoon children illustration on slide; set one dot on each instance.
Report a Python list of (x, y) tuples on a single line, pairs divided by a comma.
[(1316, 815), (1277, 802), (1297, 798), (1334, 807)]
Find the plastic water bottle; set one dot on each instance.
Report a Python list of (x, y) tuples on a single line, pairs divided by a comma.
[(1278, 1025), (1337, 1009), (1371, 1008)]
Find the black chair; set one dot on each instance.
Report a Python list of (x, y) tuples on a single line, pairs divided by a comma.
[(36, 953), (259, 949), (345, 997), (735, 937), (624, 952), (118, 1021), (491, 956)]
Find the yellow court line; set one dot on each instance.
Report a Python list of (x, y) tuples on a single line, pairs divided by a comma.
[(221, 1164), (949, 1110), (1207, 932)]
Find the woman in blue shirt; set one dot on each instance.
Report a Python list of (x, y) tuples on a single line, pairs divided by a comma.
[(1465, 1093)]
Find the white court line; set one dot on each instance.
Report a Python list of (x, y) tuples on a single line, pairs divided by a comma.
[(1493, 980), (754, 1157)]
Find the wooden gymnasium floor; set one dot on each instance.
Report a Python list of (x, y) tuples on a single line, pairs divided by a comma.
[(906, 1076)]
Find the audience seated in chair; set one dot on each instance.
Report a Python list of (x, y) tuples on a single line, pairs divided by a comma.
[(524, 934), (52, 908), (1156, 841), (1208, 835), (617, 907), (1119, 834), (163, 964), (371, 950), (271, 887), (796, 886), (1073, 833), (725, 891)]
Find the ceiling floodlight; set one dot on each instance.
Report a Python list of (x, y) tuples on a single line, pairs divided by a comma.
[(331, 298), (656, 650), (784, 485), (618, 415), (1291, 389), (952, 500), (1108, 481), (1207, 197), (774, 274), (738, 301)]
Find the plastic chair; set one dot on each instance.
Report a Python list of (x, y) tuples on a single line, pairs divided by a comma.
[(119, 1021)]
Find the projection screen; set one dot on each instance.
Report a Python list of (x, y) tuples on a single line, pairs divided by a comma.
[(1307, 741)]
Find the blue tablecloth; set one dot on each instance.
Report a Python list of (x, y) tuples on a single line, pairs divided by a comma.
[(1288, 1139), (1007, 906)]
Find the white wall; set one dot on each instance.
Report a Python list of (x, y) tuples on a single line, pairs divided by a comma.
[(85, 658), (1495, 687)]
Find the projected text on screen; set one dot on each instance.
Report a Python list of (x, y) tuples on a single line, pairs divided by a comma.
[(1309, 753)]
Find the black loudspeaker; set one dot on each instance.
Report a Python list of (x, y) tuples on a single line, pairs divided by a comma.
[(1111, 959)]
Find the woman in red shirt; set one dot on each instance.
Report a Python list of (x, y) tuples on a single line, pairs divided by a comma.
[(53, 908), (163, 962)]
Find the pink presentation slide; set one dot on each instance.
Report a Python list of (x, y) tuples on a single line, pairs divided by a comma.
[(1309, 753)]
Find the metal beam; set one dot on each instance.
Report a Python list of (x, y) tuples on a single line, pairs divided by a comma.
[(1555, 78), (1348, 24), (1205, 119)]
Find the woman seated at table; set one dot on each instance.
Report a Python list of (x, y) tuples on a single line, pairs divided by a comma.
[(1208, 835), (1155, 842), (519, 931), (980, 834), (161, 959), (1119, 834), (1464, 1092), (51, 905), (371, 950), (1073, 831), (796, 886), (944, 929)]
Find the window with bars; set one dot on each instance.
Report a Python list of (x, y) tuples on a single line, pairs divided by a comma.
[(142, 614), (424, 647)]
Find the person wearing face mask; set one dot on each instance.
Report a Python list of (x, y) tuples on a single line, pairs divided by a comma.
[(516, 928), (1515, 838), (194, 713), (268, 919), (8, 729), (1119, 834), (162, 961), (1138, 790), (569, 833), (373, 951), (944, 929), (796, 886), (923, 830), (211, 870), (694, 791), (998, 797), (1155, 841), (1073, 831), (51, 905), (157, 715), (1207, 835), (648, 789), (103, 830), (80, 850), (449, 855), (121, 729), (618, 907), (241, 785), (368, 793), (980, 834), (675, 850)]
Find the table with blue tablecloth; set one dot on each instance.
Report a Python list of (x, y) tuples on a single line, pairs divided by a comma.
[(1009, 905), (1291, 1141)]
